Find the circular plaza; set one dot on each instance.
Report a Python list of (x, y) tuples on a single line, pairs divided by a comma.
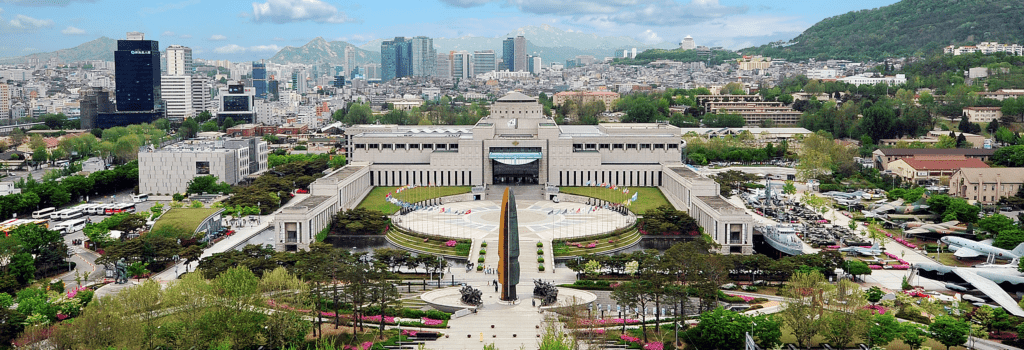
[(538, 220)]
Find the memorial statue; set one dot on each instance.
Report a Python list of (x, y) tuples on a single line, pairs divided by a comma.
[(508, 247), (120, 272), (547, 291), (471, 296)]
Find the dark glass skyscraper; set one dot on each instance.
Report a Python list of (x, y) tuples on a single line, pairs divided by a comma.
[(395, 58), (259, 79), (508, 56), (137, 74)]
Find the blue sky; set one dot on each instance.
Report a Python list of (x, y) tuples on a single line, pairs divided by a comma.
[(241, 30)]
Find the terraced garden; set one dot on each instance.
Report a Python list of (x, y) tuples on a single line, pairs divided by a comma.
[(430, 244), (583, 246)]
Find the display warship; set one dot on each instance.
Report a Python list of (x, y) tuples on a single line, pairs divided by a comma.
[(784, 238)]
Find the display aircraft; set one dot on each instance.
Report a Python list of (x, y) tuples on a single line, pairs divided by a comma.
[(943, 228), (995, 283), (844, 195), (873, 250), (881, 208), (965, 248)]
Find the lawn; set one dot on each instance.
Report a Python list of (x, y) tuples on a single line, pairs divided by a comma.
[(432, 245), (648, 197), (376, 199), (186, 218)]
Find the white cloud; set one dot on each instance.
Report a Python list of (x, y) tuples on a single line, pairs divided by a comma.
[(26, 22), (229, 49), (72, 31), (644, 12), (271, 48), (465, 3), (218, 37), (167, 33), (185, 36), (285, 11), (650, 37)]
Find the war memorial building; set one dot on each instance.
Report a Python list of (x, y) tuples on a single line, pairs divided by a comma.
[(517, 145)]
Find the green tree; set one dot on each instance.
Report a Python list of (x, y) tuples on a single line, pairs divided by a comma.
[(948, 331), (210, 126), (804, 305), (358, 113), (789, 188), (847, 317), (856, 268), (882, 330), (913, 335), (874, 294)]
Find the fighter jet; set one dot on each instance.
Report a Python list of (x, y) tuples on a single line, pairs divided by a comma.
[(965, 248), (874, 250), (844, 195), (882, 209), (992, 282), (947, 227)]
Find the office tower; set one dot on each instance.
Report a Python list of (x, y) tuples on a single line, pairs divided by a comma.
[(688, 43), (461, 66), (443, 66), (535, 64), (137, 83), (137, 74), (273, 90), (423, 56), (483, 62), (177, 94), (95, 101), (237, 102), (350, 61), (201, 100), (395, 58), (179, 60), (508, 55), (339, 81), (520, 54), (259, 79), (373, 71), (5, 103)]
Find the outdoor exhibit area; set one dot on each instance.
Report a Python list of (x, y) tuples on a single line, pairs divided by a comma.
[(538, 220)]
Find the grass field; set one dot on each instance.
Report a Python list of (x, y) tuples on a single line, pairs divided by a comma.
[(601, 245), (433, 245), (649, 197), (375, 200), (186, 218)]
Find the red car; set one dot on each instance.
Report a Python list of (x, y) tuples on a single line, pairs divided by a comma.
[(301, 191)]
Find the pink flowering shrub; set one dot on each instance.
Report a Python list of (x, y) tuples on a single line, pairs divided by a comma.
[(432, 322), (591, 245), (363, 346), (409, 333), (450, 243), (629, 338), (745, 298), (876, 309), (875, 267), (74, 291), (61, 316), (654, 346)]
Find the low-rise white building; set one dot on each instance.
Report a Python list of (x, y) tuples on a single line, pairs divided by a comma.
[(168, 170)]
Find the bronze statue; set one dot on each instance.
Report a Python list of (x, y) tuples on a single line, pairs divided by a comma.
[(508, 247)]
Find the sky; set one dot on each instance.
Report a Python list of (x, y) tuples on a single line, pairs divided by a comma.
[(244, 30)]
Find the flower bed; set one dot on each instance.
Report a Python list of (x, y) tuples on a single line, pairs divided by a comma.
[(901, 241), (607, 322), (746, 299), (876, 309)]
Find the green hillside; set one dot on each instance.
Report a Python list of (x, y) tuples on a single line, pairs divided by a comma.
[(906, 28)]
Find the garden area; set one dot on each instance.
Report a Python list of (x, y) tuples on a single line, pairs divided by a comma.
[(647, 198), (187, 219), (377, 199), (596, 244), (430, 244)]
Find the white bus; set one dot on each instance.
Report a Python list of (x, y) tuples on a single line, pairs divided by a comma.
[(118, 208), (43, 213), (68, 214), (139, 198), (70, 226), (96, 209)]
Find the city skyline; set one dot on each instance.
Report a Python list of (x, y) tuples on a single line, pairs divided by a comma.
[(254, 30)]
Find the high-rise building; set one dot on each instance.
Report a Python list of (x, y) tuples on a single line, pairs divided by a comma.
[(177, 94), (443, 66), (519, 45), (350, 61), (259, 79), (687, 43), (483, 62), (137, 74), (273, 90), (94, 102), (462, 68), (137, 83), (395, 58), (423, 56), (179, 60), (535, 64), (201, 88), (373, 71), (237, 102), (508, 54), (5, 103)]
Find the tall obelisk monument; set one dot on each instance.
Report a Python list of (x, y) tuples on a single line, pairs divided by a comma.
[(508, 247)]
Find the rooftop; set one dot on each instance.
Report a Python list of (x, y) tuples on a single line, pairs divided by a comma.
[(993, 175), (944, 164), (910, 152), (345, 171), (716, 202), (685, 172), (312, 201)]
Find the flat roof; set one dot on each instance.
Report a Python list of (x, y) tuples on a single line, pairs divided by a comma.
[(312, 201), (685, 171), (716, 202), (345, 171)]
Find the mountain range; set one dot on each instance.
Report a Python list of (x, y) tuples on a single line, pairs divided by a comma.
[(99, 49), (321, 51), (906, 28)]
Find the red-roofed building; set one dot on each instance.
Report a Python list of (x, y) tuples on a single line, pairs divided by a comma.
[(931, 169)]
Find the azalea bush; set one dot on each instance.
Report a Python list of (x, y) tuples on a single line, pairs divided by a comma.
[(450, 243)]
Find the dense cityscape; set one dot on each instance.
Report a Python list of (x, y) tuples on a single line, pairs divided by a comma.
[(680, 193)]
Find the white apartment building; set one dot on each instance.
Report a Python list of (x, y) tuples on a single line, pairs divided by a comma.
[(983, 114), (202, 87), (986, 48), (179, 60), (870, 79), (443, 66), (5, 102), (687, 43), (176, 91)]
